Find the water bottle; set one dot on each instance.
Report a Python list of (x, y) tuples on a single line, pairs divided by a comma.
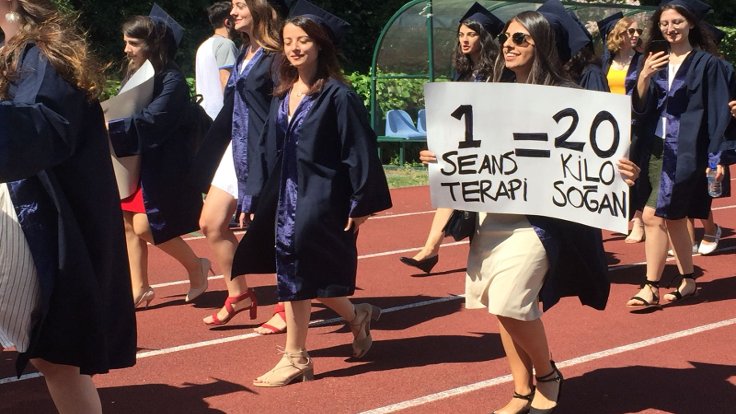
[(714, 186)]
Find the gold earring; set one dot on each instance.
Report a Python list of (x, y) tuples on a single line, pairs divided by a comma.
[(12, 17)]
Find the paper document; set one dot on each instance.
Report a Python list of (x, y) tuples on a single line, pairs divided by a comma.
[(135, 95)]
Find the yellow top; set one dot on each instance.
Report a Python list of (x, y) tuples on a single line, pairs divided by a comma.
[(617, 80)]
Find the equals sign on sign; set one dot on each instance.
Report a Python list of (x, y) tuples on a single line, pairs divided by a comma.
[(531, 153)]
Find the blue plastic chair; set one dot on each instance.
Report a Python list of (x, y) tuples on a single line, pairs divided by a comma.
[(422, 121), (399, 124)]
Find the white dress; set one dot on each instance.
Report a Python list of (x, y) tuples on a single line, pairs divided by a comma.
[(19, 290), (507, 264)]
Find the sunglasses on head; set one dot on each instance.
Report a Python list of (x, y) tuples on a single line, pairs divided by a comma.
[(637, 31), (518, 38)]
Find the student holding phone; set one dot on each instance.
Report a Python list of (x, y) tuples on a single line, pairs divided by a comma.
[(681, 102)]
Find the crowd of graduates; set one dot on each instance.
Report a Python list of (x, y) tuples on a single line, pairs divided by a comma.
[(291, 155)]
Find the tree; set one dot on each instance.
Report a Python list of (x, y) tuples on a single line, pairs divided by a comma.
[(724, 11)]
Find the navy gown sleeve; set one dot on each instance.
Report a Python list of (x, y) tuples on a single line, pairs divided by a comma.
[(263, 156), (42, 131), (730, 135), (360, 155), (593, 79), (154, 124)]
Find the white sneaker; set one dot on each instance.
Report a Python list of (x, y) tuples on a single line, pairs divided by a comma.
[(708, 247)]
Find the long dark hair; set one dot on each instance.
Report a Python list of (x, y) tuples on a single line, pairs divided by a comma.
[(699, 36), (461, 63), (267, 24), (546, 67), (577, 64), (328, 65), (159, 45), (58, 38)]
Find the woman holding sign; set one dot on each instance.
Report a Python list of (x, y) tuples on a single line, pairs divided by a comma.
[(164, 205), (681, 101), (65, 298), (516, 260), (475, 54)]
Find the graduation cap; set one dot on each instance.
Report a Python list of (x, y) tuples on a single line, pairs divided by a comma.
[(696, 7), (582, 26), (159, 15), (569, 35), (607, 24), (335, 26), (605, 27), (281, 6), (488, 20)]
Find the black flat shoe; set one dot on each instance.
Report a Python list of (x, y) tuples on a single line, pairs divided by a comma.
[(424, 265), (554, 376)]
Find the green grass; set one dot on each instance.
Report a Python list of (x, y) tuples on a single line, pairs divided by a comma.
[(406, 176)]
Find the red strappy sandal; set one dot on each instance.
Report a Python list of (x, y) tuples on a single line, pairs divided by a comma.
[(231, 312), (280, 310)]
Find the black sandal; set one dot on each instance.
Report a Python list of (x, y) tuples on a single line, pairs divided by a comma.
[(678, 295), (554, 376), (654, 286), (527, 397)]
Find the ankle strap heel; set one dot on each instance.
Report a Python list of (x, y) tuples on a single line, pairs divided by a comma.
[(554, 376)]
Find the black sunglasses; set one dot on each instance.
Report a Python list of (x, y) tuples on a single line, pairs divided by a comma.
[(637, 31), (518, 38)]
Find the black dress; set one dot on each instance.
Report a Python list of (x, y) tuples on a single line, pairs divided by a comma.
[(55, 157)]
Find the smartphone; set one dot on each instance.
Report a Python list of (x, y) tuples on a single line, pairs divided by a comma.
[(659, 46)]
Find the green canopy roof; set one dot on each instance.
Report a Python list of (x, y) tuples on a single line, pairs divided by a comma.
[(418, 40)]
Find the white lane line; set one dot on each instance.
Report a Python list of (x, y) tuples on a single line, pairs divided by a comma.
[(418, 213), (387, 216), (669, 259), (398, 215), (202, 344), (22, 378), (460, 243), (570, 362), (312, 324), (365, 256)]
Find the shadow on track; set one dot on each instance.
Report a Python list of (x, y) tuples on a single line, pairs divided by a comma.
[(162, 398), (387, 355), (638, 388)]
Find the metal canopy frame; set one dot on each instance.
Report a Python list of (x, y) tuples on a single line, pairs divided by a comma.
[(433, 18)]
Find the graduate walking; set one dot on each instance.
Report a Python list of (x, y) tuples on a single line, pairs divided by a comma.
[(327, 180), (681, 105)]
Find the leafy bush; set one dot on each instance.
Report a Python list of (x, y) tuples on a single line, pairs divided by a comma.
[(728, 44), (402, 93)]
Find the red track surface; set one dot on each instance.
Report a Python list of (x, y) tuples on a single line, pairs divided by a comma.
[(433, 357)]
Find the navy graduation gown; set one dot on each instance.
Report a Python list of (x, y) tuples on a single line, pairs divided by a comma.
[(328, 157), (255, 91), (55, 156), (593, 79), (697, 110), (159, 134)]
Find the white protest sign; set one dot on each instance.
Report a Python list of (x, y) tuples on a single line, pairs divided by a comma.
[(529, 149), (135, 95)]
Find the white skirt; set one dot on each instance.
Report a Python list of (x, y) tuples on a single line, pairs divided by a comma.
[(19, 290), (506, 267), (225, 178)]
